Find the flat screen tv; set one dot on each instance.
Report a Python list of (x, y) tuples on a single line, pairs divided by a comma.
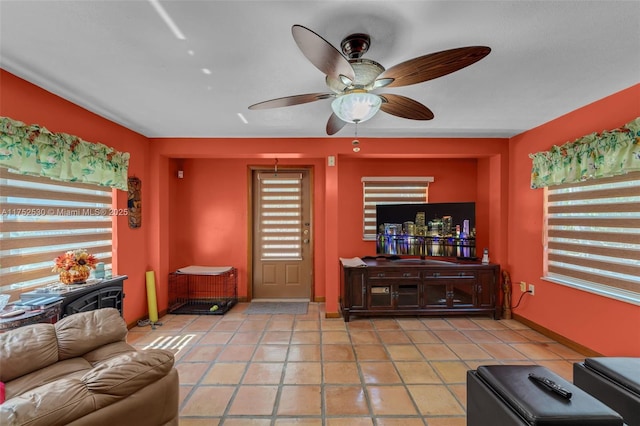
[(428, 229)]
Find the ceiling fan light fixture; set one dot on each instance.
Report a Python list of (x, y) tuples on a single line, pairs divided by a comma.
[(356, 107)]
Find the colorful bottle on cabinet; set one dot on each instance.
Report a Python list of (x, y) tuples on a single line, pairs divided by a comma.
[(99, 272)]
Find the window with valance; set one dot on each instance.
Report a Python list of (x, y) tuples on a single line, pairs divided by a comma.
[(610, 153), (34, 150), (592, 212), (55, 195)]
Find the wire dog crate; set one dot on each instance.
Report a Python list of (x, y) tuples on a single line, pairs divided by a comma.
[(203, 290)]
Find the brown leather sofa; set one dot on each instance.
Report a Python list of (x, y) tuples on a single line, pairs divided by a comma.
[(81, 371)]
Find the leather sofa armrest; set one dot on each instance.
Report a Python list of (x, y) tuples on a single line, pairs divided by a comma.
[(53, 404), (125, 374)]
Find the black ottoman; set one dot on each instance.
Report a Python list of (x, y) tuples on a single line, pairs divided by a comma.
[(614, 381), (503, 395)]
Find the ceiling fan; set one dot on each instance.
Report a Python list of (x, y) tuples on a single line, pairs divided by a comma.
[(352, 78)]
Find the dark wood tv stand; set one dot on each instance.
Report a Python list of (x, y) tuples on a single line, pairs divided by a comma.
[(420, 287)]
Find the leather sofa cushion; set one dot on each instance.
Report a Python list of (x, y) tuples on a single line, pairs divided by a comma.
[(108, 351), (54, 404), (622, 370), (31, 348), (27, 349), (75, 367), (79, 334)]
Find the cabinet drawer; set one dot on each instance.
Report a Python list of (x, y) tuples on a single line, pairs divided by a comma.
[(386, 275), (449, 275)]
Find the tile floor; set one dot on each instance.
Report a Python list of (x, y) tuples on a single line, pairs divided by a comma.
[(276, 370)]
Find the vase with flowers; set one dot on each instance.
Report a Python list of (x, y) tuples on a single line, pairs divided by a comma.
[(74, 266)]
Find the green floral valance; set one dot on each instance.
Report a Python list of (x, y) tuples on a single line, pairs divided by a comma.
[(34, 150), (596, 155)]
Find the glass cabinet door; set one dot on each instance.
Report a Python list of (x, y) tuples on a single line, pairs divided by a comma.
[(462, 294), (407, 295), (435, 295), (381, 296)]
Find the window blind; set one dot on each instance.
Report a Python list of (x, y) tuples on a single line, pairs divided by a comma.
[(593, 232), (280, 216), (41, 219), (389, 190)]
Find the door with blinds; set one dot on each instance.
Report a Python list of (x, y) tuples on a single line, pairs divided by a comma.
[(282, 258)]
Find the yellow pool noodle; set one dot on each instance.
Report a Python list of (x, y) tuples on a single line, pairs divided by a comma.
[(151, 296)]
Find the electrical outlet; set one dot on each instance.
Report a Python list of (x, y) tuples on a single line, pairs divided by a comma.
[(523, 286), (532, 289)]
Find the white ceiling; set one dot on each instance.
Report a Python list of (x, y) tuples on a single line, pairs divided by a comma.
[(120, 60)]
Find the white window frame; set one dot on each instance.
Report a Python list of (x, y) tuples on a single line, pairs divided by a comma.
[(570, 246)]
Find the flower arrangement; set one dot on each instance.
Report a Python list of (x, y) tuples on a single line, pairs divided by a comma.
[(74, 266)]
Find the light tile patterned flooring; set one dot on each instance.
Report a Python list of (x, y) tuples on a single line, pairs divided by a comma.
[(276, 370)]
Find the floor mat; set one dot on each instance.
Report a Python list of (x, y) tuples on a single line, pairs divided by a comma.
[(274, 308)]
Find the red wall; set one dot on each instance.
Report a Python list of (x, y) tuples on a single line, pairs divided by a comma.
[(209, 211), (454, 181), (209, 207), (30, 104), (206, 212), (602, 324)]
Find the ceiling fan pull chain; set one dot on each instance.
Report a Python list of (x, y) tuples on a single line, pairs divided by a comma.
[(356, 142)]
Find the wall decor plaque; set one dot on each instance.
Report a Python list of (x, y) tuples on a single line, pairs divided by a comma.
[(134, 202)]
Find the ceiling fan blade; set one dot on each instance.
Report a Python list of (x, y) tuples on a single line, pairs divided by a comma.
[(334, 125), (404, 107), (433, 65), (291, 100), (322, 54)]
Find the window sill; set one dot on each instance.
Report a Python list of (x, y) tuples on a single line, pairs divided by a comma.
[(598, 289)]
